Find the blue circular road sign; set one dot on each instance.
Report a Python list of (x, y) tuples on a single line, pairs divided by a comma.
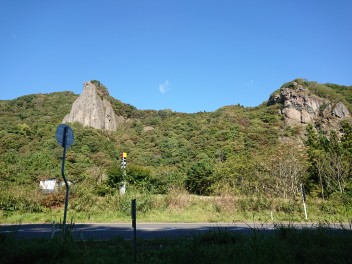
[(64, 134)]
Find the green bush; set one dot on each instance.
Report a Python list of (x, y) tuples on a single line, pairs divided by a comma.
[(256, 204), (199, 177), (114, 176), (103, 189), (17, 199)]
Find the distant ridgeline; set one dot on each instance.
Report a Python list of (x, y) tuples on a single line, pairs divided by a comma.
[(233, 149), (301, 102)]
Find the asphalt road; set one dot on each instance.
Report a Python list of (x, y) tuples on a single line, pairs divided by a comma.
[(125, 231)]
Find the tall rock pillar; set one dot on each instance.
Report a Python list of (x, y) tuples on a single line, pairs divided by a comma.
[(90, 109)]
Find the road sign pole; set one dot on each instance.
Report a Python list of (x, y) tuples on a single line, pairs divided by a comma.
[(63, 176), (134, 225), (64, 136)]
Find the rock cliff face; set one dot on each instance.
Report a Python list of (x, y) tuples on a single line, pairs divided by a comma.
[(302, 107), (92, 109)]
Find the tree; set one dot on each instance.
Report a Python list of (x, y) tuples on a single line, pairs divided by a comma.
[(114, 176), (286, 164), (330, 159), (199, 176)]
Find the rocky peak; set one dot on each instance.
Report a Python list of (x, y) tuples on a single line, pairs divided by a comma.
[(92, 108), (300, 106)]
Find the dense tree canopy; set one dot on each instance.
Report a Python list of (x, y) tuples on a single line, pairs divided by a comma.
[(233, 149)]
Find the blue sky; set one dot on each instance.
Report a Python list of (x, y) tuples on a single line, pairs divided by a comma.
[(184, 55)]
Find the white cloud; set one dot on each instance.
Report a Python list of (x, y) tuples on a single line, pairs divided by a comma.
[(164, 87)]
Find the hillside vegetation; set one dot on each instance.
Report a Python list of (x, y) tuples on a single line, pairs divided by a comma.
[(249, 154)]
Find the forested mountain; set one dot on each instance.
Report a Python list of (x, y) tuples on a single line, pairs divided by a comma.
[(302, 134)]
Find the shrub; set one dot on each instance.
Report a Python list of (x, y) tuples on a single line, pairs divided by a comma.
[(17, 199), (199, 177)]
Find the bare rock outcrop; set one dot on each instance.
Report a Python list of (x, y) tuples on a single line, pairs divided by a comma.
[(92, 109), (300, 106), (340, 110)]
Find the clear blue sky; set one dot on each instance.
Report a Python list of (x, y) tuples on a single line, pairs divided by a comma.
[(184, 55)]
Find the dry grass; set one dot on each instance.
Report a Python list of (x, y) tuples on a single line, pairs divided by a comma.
[(176, 206), (178, 199)]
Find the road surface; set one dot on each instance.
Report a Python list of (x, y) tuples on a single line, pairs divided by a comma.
[(125, 231)]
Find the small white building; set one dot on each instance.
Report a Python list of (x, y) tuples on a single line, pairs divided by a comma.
[(52, 185), (48, 185)]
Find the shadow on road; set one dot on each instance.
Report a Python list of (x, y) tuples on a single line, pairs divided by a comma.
[(145, 231)]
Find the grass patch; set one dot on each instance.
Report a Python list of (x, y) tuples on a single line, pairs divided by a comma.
[(181, 207)]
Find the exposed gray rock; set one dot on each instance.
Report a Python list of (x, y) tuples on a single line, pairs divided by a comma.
[(341, 111), (302, 107), (292, 113), (109, 117), (306, 117), (91, 110)]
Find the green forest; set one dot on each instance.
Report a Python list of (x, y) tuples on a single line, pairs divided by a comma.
[(234, 161)]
